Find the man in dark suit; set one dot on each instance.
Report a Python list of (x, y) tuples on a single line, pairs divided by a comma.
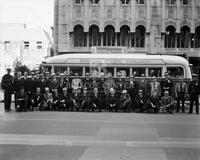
[(7, 87), (194, 91), (166, 84), (96, 100)]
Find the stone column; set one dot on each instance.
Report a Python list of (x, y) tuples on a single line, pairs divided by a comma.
[(87, 39)]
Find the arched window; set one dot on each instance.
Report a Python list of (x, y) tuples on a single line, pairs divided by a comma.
[(125, 1), (94, 36), (140, 36), (79, 36), (196, 38), (124, 36), (170, 37), (109, 36), (185, 37)]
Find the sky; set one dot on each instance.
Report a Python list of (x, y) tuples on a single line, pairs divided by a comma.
[(35, 13)]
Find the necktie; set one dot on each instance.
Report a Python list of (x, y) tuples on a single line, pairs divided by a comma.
[(181, 87)]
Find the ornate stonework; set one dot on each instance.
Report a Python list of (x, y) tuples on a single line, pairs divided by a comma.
[(138, 23), (78, 22), (185, 23), (78, 11), (197, 24), (125, 23), (112, 23), (109, 12), (125, 12), (185, 12), (171, 12), (141, 12), (97, 23), (170, 23), (198, 12), (95, 12)]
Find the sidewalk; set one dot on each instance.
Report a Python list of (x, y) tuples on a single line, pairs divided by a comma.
[(2, 96)]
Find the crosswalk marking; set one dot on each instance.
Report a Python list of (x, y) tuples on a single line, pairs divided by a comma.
[(69, 141)]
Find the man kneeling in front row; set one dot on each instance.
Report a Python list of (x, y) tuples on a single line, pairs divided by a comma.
[(167, 103), (21, 100)]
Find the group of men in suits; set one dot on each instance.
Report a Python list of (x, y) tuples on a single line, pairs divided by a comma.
[(48, 92)]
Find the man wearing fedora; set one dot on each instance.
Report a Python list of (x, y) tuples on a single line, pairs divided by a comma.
[(166, 84), (7, 87), (194, 91)]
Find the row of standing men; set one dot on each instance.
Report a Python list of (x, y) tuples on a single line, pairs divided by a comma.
[(96, 93)]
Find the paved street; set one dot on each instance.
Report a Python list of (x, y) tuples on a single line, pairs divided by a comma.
[(98, 136)]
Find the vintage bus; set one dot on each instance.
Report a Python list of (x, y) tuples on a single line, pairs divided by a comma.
[(139, 65)]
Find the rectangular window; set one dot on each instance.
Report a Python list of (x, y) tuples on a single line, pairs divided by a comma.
[(74, 70), (139, 72), (39, 45), (79, 1), (140, 1), (175, 71), (26, 44), (125, 1), (157, 72), (171, 2), (124, 71), (185, 2), (108, 71), (94, 1), (7, 42)]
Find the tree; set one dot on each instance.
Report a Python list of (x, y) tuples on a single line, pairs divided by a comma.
[(17, 65)]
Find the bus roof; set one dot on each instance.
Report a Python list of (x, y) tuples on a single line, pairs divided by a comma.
[(140, 58)]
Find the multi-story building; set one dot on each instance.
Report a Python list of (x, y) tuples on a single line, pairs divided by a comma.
[(135, 26), (29, 45)]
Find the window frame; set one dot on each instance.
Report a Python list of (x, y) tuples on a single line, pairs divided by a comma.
[(39, 44), (26, 44), (185, 4), (138, 2), (169, 2), (79, 2), (176, 66), (126, 2), (93, 2)]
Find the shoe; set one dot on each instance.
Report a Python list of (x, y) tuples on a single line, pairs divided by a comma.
[(189, 112)]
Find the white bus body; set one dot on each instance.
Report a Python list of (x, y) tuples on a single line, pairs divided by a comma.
[(128, 64)]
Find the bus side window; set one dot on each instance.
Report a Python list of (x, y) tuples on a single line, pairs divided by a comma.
[(74, 70), (175, 71), (57, 70), (108, 71), (157, 72), (139, 72), (93, 71), (124, 71)]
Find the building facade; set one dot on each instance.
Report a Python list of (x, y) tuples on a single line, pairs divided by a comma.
[(29, 45), (134, 26)]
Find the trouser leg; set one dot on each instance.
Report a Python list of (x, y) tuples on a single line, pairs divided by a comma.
[(178, 104), (7, 101), (183, 105), (191, 105), (197, 104)]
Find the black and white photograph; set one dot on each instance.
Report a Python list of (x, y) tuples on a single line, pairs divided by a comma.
[(99, 79)]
